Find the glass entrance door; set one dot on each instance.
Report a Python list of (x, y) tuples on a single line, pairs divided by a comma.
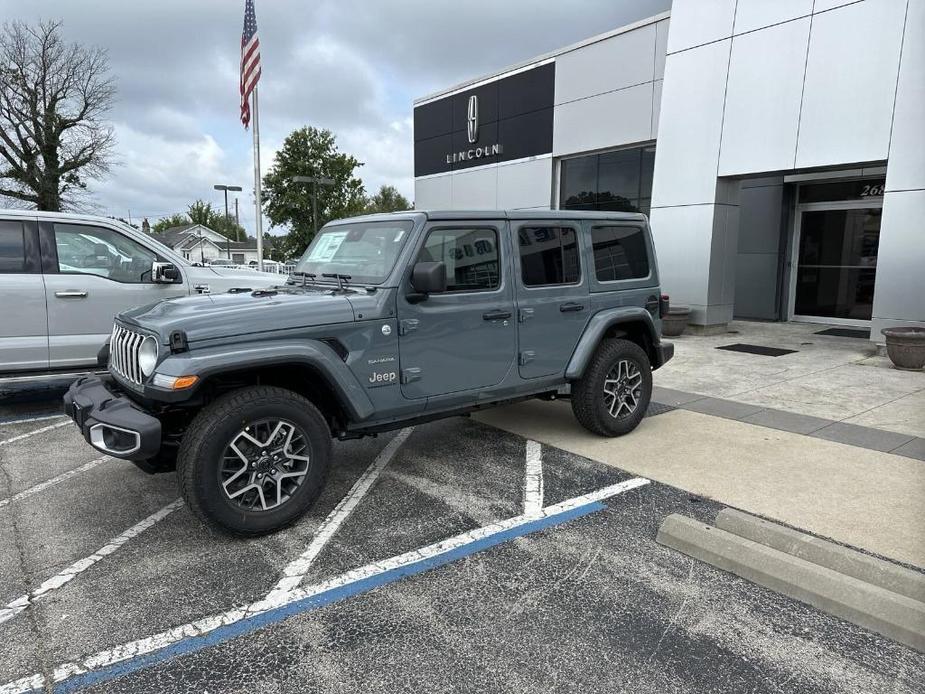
[(836, 263)]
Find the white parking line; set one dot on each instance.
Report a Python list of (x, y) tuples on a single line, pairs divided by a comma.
[(533, 481), (33, 433), (26, 420), (23, 601), (53, 481), (296, 570), (203, 626)]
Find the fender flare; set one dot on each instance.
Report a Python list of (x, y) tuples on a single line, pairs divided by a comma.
[(254, 355), (598, 326)]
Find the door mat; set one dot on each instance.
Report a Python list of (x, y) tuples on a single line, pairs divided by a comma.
[(861, 333), (758, 349)]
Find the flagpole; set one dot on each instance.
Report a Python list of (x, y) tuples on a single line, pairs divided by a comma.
[(257, 202)]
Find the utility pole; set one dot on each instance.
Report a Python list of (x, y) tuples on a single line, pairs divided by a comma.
[(225, 188), (237, 220), (315, 181)]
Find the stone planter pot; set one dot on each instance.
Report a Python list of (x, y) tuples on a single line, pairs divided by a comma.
[(676, 321), (906, 347)]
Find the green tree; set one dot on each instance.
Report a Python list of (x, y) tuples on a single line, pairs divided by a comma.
[(164, 223), (388, 199), (201, 212), (310, 152)]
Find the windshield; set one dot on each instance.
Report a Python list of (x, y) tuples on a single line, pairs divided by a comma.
[(366, 251)]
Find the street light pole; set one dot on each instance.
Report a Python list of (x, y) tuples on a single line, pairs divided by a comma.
[(315, 181), (225, 189)]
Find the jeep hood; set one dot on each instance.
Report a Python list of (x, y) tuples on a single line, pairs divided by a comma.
[(210, 316)]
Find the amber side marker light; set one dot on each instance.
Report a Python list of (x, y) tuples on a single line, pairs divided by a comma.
[(185, 382)]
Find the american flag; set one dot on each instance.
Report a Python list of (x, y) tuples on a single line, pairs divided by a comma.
[(250, 60)]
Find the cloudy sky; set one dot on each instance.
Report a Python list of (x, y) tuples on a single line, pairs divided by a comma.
[(352, 66)]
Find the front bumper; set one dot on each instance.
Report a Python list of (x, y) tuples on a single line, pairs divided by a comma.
[(111, 422), (664, 351)]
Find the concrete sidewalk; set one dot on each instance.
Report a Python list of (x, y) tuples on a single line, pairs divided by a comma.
[(837, 378), (860, 497)]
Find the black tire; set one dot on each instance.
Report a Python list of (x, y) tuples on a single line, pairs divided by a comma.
[(589, 402), (202, 456)]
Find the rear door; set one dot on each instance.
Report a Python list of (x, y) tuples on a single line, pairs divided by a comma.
[(463, 339), (24, 328), (91, 274), (552, 295)]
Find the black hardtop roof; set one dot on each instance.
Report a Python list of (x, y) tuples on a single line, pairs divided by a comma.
[(437, 215)]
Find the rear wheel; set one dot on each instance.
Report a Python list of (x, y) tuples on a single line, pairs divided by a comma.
[(255, 460), (612, 396)]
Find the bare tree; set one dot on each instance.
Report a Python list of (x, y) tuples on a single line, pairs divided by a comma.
[(54, 98)]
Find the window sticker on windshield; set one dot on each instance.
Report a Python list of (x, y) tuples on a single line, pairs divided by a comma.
[(327, 246)]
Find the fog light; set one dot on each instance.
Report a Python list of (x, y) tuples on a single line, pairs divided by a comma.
[(114, 440)]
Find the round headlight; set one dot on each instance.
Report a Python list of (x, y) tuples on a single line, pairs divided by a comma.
[(147, 356)]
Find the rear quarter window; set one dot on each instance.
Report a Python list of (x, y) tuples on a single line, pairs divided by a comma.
[(620, 253), (12, 247)]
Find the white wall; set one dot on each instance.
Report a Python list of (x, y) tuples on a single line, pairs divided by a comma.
[(607, 92), (757, 87), (900, 284), (509, 185)]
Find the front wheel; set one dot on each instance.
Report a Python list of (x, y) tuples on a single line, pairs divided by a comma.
[(255, 460), (612, 396)]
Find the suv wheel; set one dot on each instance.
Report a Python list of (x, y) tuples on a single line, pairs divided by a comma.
[(255, 460), (612, 396)]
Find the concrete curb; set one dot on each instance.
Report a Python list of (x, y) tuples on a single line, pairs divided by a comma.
[(824, 553), (895, 616)]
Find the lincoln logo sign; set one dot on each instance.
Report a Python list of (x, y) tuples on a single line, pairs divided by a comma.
[(472, 130), (472, 119)]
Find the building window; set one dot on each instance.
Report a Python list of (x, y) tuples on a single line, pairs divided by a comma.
[(237, 258), (619, 253), (548, 255), (470, 255), (619, 181)]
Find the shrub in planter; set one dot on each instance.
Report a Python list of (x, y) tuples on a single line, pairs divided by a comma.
[(905, 347), (675, 322)]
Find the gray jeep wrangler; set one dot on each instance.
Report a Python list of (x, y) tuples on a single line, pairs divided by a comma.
[(387, 320)]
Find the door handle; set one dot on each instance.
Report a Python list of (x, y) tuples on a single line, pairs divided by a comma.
[(499, 314), (571, 307), (71, 294)]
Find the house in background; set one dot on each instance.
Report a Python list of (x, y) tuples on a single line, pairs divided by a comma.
[(200, 244)]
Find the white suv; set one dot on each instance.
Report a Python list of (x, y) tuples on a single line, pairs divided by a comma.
[(63, 277)]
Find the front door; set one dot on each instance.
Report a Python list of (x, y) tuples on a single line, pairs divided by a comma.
[(552, 295), (463, 339), (98, 274), (836, 264)]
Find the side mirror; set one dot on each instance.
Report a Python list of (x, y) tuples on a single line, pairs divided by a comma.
[(164, 273), (428, 278)]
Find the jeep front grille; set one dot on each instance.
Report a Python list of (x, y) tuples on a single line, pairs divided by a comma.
[(123, 354)]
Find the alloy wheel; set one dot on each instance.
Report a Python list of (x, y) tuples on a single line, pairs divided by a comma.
[(622, 389), (264, 464)]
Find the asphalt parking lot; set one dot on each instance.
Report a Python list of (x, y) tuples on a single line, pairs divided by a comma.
[(455, 557)]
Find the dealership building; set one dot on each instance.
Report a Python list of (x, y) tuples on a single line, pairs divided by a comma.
[(778, 148)]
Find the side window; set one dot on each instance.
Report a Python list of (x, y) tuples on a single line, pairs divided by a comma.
[(471, 257), (548, 255), (12, 247), (619, 253), (89, 250)]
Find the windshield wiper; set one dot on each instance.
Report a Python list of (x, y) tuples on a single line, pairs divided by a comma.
[(341, 279), (303, 275)]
